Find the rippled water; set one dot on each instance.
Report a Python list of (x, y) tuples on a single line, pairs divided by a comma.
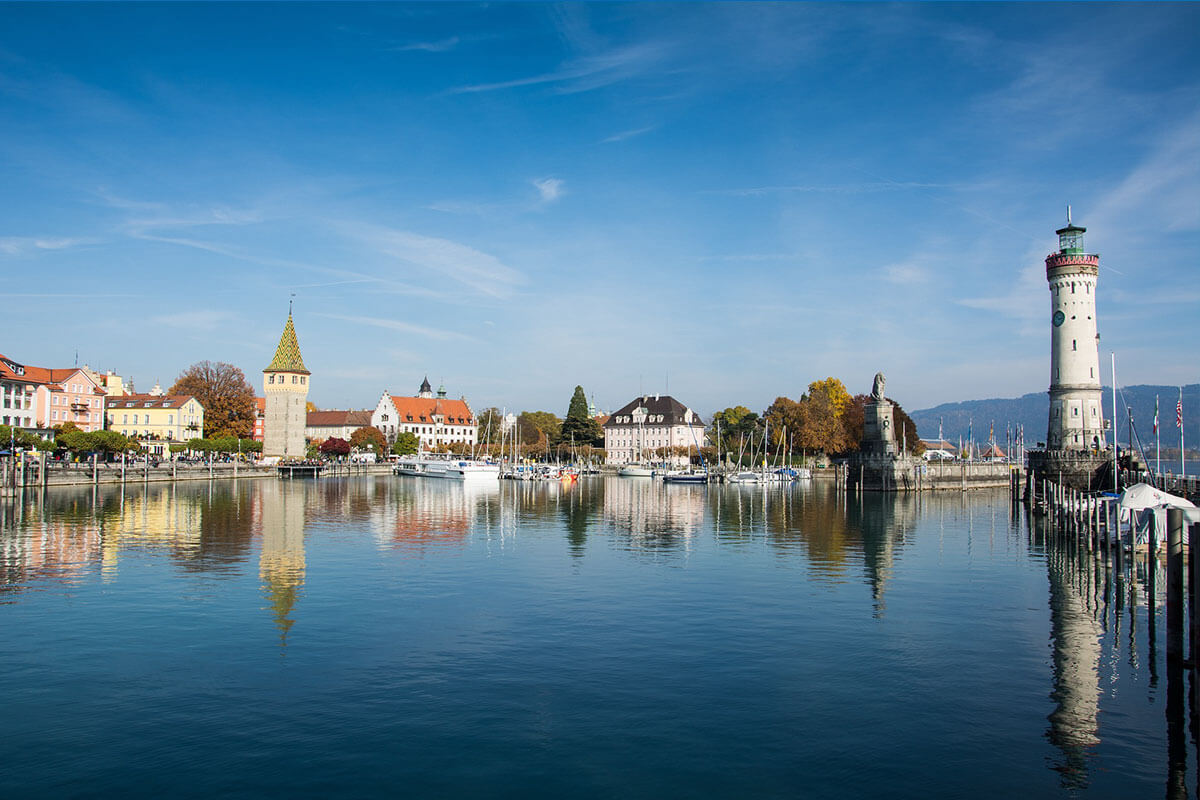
[(619, 637)]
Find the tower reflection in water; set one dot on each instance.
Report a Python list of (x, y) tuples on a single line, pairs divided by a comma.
[(280, 516), (1075, 634)]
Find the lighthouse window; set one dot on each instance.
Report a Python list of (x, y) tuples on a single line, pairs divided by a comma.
[(1092, 371), (1073, 347), (1072, 287), (1075, 411)]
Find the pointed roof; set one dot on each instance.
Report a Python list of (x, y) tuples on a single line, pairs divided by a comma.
[(425, 387), (287, 355)]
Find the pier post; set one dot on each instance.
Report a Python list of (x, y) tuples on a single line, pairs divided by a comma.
[(1193, 623), (1120, 546), (1174, 584)]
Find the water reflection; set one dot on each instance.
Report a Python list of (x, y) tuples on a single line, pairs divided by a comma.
[(1075, 636), (279, 512), (261, 538), (653, 517), (415, 514)]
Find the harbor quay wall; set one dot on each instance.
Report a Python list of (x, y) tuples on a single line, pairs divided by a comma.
[(28, 475), (905, 474)]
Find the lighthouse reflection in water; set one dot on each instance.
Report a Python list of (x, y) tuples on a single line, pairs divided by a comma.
[(611, 636)]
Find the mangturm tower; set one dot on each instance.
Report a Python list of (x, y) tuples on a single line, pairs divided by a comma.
[(285, 387), (1074, 450), (1076, 404)]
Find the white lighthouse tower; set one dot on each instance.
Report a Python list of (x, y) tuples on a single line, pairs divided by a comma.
[(1076, 402)]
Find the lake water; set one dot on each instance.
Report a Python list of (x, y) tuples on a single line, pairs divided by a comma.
[(388, 636)]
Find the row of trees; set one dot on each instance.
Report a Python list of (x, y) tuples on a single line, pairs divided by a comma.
[(541, 431), (826, 419)]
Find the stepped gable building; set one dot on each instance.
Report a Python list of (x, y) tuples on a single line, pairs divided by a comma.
[(324, 425), (435, 420), (285, 388), (636, 431), (156, 419)]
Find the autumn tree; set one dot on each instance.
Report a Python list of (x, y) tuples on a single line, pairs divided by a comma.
[(406, 443), (333, 446), (227, 398), (534, 427), (579, 427), (737, 426), (784, 419), (371, 437), (820, 425)]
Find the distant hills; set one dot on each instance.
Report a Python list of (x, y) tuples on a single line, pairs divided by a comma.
[(1031, 410)]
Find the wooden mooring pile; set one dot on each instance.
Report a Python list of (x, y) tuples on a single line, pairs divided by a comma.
[(1091, 523), (1086, 529)]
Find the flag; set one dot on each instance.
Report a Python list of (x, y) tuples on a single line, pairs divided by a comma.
[(1179, 411), (1156, 413)]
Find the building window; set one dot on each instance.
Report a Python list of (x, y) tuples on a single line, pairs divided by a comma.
[(270, 379), (1073, 345)]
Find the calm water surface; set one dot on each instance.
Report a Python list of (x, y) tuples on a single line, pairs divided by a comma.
[(387, 636)]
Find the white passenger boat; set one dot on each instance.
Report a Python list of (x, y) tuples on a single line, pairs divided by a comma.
[(636, 471), (453, 468), (744, 477), (686, 476)]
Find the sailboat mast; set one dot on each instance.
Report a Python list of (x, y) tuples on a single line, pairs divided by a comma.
[(1116, 470)]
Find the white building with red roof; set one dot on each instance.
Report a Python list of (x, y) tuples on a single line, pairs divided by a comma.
[(434, 420)]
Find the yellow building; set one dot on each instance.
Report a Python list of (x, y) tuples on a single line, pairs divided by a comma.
[(156, 420)]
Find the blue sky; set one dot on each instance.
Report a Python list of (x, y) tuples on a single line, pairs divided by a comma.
[(729, 200)]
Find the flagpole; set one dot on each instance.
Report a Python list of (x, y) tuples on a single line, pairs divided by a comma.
[(1116, 470), (1179, 419), (1157, 448)]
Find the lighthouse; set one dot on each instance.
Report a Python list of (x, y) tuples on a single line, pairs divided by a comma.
[(1076, 419)]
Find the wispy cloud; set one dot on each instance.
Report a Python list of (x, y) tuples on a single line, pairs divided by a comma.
[(66, 294), (439, 46), (585, 74), (482, 272), (550, 189), (1023, 299), (828, 188), (22, 245), (1162, 186), (199, 320), (630, 134), (906, 272), (442, 334)]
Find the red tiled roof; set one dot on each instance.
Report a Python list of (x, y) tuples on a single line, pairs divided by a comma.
[(423, 409), (43, 374), (148, 401), (334, 419)]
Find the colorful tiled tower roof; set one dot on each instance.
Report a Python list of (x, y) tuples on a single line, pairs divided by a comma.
[(287, 355)]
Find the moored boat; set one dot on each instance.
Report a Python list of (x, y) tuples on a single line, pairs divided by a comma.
[(635, 471), (429, 466)]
